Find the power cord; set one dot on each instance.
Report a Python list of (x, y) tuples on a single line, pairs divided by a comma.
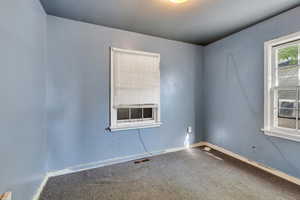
[(143, 143), (252, 109), (296, 170)]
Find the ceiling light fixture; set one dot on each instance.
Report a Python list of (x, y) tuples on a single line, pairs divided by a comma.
[(178, 1)]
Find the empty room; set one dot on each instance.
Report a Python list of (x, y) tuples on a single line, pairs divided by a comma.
[(150, 100)]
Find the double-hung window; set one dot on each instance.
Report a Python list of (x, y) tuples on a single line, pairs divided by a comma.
[(282, 87), (135, 89)]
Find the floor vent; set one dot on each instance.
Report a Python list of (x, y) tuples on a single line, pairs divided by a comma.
[(207, 150), (214, 156), (141, 161)]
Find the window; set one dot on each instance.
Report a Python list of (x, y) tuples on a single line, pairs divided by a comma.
[(282, 87), (135, 89), (134, 114)]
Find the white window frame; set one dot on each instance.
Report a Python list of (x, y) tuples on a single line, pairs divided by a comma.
[(134, 124), (269, 128)]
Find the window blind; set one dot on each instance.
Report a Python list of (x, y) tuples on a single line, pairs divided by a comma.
[(136, 78)]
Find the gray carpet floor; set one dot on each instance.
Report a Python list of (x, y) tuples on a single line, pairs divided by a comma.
[(185, 175)]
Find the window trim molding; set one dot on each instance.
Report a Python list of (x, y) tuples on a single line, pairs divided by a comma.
[(283, 133), (113, 125), (268, 51), (135, 126)]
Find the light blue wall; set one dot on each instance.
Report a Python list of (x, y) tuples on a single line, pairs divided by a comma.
[(22, 99), (78, 93), (234, 90)]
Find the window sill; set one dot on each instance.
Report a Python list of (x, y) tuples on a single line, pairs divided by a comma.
[(136, 126), (283, 133)]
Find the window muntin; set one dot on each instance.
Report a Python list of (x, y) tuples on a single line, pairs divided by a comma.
[(126, 115)]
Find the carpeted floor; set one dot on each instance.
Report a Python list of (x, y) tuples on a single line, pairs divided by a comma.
[(184, 175)]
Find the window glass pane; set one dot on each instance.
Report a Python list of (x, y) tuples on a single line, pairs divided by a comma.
[(123, 114), (287, 108), (288, 56), (288, 66), (148, 113), (136, 113), (287, 123)]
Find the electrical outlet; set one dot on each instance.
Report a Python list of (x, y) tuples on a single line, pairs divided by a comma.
[(189, 129), (6, 196), (254, 148)]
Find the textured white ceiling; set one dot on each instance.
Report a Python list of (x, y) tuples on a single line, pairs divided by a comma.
[(197, 21)]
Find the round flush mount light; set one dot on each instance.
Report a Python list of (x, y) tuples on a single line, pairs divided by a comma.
[(178, 1)]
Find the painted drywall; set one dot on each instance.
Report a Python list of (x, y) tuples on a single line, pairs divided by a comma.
[(78, 93), (234, 90), (22, 102)]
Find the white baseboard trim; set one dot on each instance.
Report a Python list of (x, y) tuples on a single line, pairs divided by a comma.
[(254, 164), (112, 161), (103, 163), (94, 165), (41, 187)]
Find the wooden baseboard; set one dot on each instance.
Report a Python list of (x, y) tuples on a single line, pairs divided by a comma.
[(199, 144), (253, 163), (5, 196)]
